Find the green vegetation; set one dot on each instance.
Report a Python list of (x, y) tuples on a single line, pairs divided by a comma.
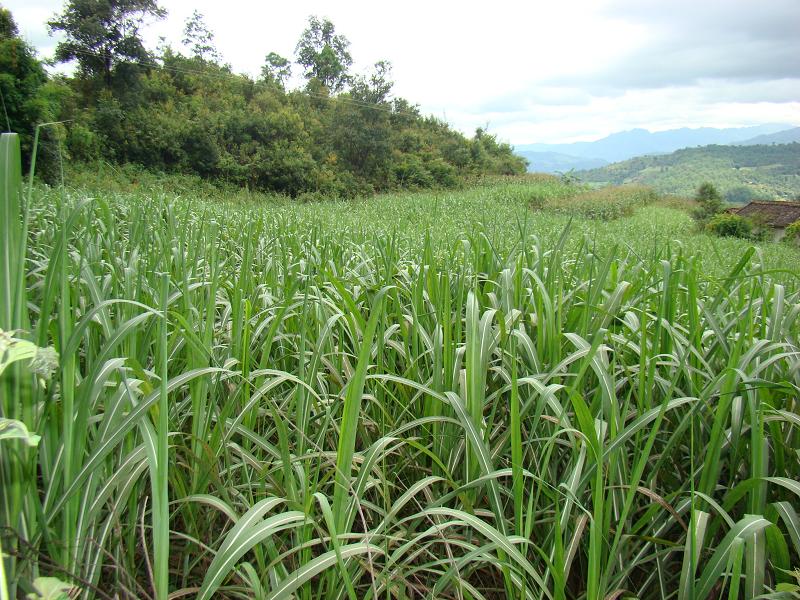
[(230, 369), (793, 234), (186, 112), (765, 171), (709, 203), (730, 225), (27, 96), (710, 216), (741, 195), (604, 204), (440, 394)]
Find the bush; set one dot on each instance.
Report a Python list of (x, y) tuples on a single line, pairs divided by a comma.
[(793, 234), (726, 225)]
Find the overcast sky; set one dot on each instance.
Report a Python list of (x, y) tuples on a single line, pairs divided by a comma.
[(532, 71)]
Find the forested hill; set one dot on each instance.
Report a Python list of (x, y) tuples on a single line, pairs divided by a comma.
[(335, 133), (742, 173)]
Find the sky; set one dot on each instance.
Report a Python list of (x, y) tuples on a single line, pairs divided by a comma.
[(529, 71)]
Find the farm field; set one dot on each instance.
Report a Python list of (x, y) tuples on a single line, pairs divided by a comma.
[(471, 394)]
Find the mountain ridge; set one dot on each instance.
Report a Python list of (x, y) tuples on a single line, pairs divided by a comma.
[(786, 136), (631, 143)]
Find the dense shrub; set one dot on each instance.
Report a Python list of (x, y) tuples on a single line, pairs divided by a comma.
[(793, 234), (728, 225), (191, 115), (200, 119)]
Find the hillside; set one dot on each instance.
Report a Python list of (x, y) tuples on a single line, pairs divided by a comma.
[(740, 172)]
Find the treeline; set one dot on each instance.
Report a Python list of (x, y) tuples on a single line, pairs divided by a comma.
[(184, 110)]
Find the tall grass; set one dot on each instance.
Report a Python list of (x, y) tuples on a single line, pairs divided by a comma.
[(14, 469), (604, 203), (252, 403)]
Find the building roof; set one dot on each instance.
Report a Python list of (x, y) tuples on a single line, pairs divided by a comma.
[(775, 213)]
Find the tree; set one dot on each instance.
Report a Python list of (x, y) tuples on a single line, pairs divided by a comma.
[(377, 87), (708, 194), (276, 69), (324, 55), (200, 39), (361, 137), (102, 33), (709, 202), (8, 27), (21, 76), (492, 157), (27, 98)]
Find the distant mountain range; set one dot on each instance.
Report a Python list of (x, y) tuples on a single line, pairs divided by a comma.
[(552, 162), (639, 142), (787, 136), (742, 172)]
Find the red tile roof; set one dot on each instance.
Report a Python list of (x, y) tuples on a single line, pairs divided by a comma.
[(775, 213)]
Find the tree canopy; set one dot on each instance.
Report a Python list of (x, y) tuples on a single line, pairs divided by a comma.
[(102, 33), (276, 69), (199, 38), (181, 110), (28, 98), (324, 54)]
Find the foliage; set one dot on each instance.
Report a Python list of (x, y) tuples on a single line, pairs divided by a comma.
[(730, 225), (376, 88), (569, 177), (206, 121), (605, 203), (51, 588), (101, 34), (28, 98), (12, 429), (276, 69), (767, 171), (709, 202), (493, 391), (191, 115), (324, 54), (708, 195), (792, 234), (199, 38), (21, 77)]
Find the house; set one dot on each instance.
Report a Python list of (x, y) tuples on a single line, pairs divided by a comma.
[(776, 214)]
